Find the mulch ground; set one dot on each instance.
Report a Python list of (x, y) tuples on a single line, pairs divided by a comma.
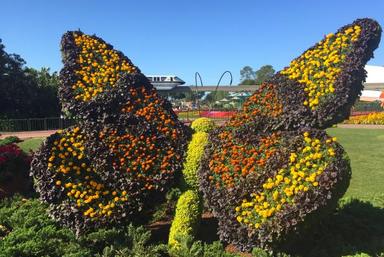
[(207, 232)]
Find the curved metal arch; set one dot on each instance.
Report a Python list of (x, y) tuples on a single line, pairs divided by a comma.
[(218, 83), (197, 75)]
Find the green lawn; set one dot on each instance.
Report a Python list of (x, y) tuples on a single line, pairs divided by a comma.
[(31, 144), (365, 148)]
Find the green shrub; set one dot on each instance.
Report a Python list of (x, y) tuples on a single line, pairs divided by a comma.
[(190, 248), (358, 255), (258, 252), (187, 217), (33, 233), (9, 140), (166, 210), (27, 231), (133, 243)]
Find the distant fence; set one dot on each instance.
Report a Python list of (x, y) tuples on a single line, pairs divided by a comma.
[(13, 125), (36, 124)]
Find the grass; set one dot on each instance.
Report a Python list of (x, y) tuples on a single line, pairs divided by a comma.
[(357, 227), (31, 144), (365, 148), (188, 115)]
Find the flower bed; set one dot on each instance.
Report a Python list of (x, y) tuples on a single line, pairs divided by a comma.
[(376, 118), (14, 171)]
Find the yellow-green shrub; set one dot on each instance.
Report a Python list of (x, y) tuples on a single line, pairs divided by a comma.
[(192, 162), (187, 217), (203, 125), (189, 205)]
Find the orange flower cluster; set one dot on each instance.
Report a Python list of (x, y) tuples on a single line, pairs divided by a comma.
[(233, 161), (264, 102), (99, 67), (140, 156), (146, 104)]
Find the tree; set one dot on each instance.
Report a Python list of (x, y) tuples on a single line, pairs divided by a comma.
[(265, 72), (14, 86), (26, 92), (46, 103), (213, 97), (247, 75)]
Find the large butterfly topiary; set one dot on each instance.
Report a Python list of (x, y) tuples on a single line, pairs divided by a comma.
[(267, 173)]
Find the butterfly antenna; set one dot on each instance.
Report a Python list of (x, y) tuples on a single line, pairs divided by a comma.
[(218, 83), (197, 74)]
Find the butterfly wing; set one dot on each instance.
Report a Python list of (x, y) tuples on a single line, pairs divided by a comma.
[(124, 153), (319, 87), (270, 171)]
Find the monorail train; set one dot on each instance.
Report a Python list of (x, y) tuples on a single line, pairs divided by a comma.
[(165, 82)]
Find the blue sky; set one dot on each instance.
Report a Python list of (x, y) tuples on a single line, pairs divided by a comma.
[(182, 37)]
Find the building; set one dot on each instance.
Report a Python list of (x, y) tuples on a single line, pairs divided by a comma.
[(375, 78)]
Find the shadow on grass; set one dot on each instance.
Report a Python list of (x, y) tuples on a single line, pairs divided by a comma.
[(356, 227)]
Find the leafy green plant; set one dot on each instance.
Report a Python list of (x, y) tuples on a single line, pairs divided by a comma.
[(9, 140), (27, 231), (166, 210), (32, 233), (135, 245), (358, 255), (190, 248)]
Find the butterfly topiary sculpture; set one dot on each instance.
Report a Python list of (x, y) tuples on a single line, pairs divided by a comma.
[(266, 174)]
